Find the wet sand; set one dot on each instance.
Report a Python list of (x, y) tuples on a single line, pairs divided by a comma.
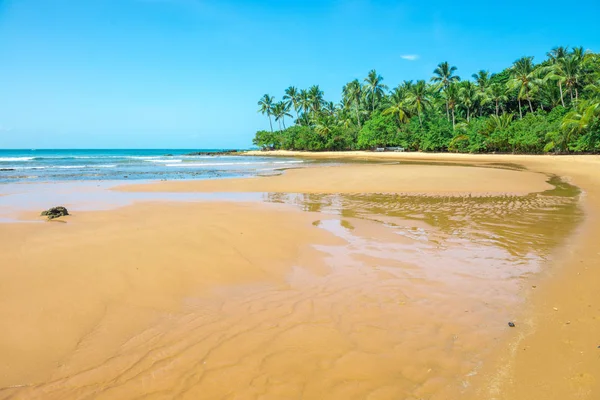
[(342, 283), (365, 178), (557, 354)]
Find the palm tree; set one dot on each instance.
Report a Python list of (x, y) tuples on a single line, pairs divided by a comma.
[(579, 120), (330, 108), (444, 76), (419, 98), (499, 122), (555, 56), (551, 95), (482, 78), (571, 68), (523, 78), (315, 94), (375, 87), (451, 95), (324, 125), (292, 97), (352, 91), (467, 95), (280, 111), (398, 106), (304, 101), (498, 95), (266, 107)]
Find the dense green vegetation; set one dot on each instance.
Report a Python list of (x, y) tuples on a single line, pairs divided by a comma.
[(553, 106)]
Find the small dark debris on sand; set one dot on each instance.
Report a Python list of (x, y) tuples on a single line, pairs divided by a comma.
[(55, 212), (511, 324)]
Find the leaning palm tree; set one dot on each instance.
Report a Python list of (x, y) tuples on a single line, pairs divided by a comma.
[(277, 112), (419, 98), (375, 87), (523, 78), (498, 95), (467, 95), (444, 76), (266, 107), (352, 92), (283, 109), (292, 98)]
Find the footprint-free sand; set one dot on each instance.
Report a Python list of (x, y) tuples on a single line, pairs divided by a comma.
[(354, 281)]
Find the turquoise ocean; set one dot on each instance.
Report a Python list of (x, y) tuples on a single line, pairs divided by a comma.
[(92, 164)]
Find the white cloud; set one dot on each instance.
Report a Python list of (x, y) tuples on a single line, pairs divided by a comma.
[(410, 57)]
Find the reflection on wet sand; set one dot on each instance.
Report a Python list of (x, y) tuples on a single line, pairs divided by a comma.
[(405, 308), (522, 225)]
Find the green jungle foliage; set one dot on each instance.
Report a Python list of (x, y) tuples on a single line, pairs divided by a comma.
[(553, 106)]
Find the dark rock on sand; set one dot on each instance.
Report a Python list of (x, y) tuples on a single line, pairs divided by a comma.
[(511, 324), (55, 212)]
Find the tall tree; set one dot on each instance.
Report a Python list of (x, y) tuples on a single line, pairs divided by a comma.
[(555, 57), (280, 111), (523, 79), (482, 79), (353, 93), (266, 107), (315, 95), (498, 95), (444, 76), (292, 98), (451, 95), (398, 106), (467, 95), (304, 101), (419, 98), (375, 87)]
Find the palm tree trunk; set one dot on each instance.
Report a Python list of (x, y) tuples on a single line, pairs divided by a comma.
[(270, 123), (520, 111), (530, 106), (419, 114), (358, 117), (453, 120), (447, 113), (373, 101), (561, 93), (468, 114), (283, 120), (496, 108), (576, 95)]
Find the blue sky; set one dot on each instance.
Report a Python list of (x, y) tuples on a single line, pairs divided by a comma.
[(188, 73)]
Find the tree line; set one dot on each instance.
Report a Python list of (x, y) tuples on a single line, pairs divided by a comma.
[(553, 106)]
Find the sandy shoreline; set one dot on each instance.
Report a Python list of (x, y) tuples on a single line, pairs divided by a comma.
[(558, 356), (426, 179), (193, 294)]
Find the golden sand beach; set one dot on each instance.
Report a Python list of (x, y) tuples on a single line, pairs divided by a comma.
[(388, 280)]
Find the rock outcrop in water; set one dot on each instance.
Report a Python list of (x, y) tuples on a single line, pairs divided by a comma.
[(214, 153), (55, 212)]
